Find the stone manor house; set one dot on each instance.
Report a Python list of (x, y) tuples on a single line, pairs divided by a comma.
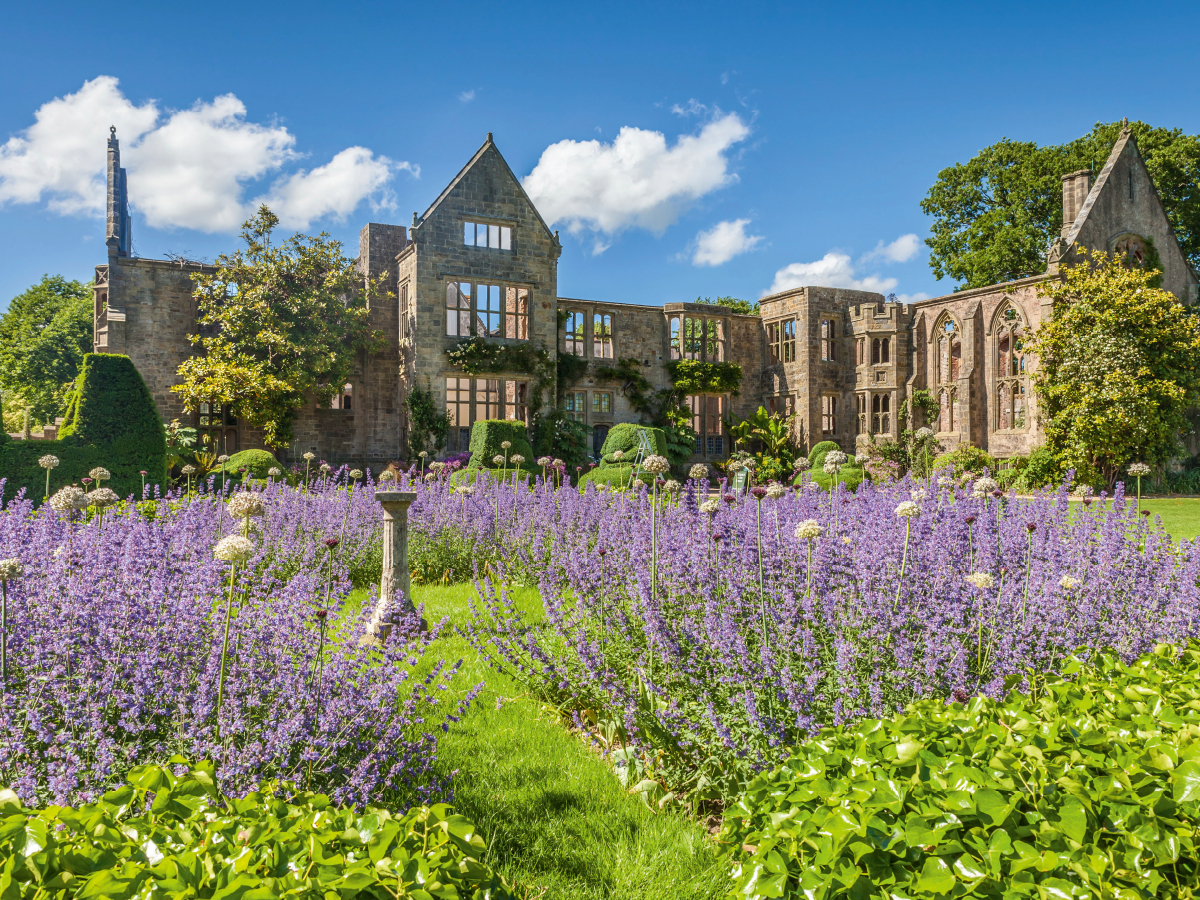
[(481, 262)]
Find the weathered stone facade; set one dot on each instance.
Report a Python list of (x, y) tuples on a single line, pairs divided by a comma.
[(481, 263)]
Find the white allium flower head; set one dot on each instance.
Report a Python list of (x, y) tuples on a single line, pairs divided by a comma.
[(543, 461), (699, 471), (734, 465), (558, 463), (423, 454), (437, 466), (656, 465), (618, 454), (466, 489), (222, 458), (189, 469), (984, 486), (245, 504), (325, 469), (862, 458), (10, 569), (923, 433), (309, 457), (908, 510), (102, 497), (671, 486), (498, 459), (429, 476), (710, 506), (68, 498), (49, 461), (830, 467), (274, 472), (981, 580), (775, 490), (517, 459), (234, 548), (801, 464), (1139, 469), (837, 457), (1068, 583), (100, 473), (918, 494), (808, 529), (356, 474), (504, 445), (387, 475)]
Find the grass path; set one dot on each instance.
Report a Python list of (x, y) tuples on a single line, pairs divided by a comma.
[(1180, 515), (556, 820)]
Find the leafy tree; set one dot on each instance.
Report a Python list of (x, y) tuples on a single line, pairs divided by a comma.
[(996, 215), (746, 307), (279, 324), (43, 337), (427, 427), (1116, 369)]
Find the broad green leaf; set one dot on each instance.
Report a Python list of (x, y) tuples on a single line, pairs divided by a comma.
[(1185, 782)]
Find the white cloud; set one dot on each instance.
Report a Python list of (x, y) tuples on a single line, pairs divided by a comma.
[(636, 181), (467, 96), (832, 270), (723, 242), (912, 298), (693, 108), (187, 168), (902, 249)]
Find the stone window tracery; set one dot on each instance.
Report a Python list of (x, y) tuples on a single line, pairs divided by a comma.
[(1011, 383), (948, 348), (828, 414), (881, 410), (574, 332), (696, 337), (602, 336)]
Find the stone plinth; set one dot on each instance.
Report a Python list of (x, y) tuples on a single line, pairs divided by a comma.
[(395, 559)]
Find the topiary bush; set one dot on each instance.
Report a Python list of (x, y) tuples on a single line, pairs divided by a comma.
[(967, 458), (851, 475), (1087, 787), (624, 437), (816, 456), (258, 462), (168, 835), (111, 422), (617, 477)]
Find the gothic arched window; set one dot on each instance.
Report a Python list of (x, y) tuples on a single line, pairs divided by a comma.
[(1010, 381), (948, 348)]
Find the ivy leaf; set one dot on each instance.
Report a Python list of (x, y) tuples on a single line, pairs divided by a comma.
[(1185, 784)]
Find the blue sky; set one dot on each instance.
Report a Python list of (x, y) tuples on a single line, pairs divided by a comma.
[(684, 149)]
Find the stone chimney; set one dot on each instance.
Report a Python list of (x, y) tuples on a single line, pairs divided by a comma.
[(1075, 190), (118, 232)]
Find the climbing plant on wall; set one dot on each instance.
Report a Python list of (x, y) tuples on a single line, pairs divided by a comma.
[(691, 376)]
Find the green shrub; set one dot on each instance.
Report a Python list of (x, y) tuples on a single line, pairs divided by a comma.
[(624, 437), (112, 422), (967, 458), (1041, 470), (258, 462), (816, 456), (486, 437), (167, 835), (851, 475), (616, 477), (1088, 787)]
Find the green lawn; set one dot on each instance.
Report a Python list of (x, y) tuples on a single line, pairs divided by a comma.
[(1180, 515), (556, 820)]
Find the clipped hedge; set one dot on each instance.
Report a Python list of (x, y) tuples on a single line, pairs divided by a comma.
[(258, 462), (1089, 787), (111, 422), (486, 437), (967, 458), (816, 456), (617, 477), (624, 437), (851, 475), (167, 835)]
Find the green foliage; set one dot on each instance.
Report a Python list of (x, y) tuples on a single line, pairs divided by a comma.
[(615, 477), (44, 335), (733, 304), (1041, 469), (633, 383), (816, 456), (181, 443), (681, 444), (163, 834), (1116, 369), (624, 437), (967, 458), (570, 440), (1088, 786), (486, 437), (478, 355), (773, 438), (427, 426), (258, 462), (114, 424), (851, 475), (691, 376), (284, 325), (995, 215), (569, 368)]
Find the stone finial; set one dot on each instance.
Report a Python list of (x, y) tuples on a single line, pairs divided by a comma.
[(489, 140), (415, 222)]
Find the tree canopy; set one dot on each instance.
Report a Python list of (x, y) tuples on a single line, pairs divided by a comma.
[(279, 325), (746, 307), (995, 216), (1116, 370), (43, 337)]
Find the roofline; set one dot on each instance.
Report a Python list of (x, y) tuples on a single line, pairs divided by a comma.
[(700, 307), (986, 289)]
